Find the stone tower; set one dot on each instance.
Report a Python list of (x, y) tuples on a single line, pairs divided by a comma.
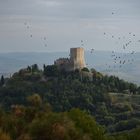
[(77, 58)]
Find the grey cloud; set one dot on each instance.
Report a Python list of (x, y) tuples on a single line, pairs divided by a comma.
[(67, 8), (66, 21)]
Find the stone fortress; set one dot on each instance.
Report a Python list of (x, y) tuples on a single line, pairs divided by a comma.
[(76, 60)]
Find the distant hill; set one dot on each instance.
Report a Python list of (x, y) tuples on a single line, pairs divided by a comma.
[(12, 62)]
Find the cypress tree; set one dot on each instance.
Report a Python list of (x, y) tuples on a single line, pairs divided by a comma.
[(2, 81)]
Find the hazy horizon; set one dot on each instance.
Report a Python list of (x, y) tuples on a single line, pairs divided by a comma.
[(12, 62)]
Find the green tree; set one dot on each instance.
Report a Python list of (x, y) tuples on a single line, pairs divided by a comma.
[(35, 100), (51, 70), (2, 80), (35, 68), (85, 69), (133, 88), (86, 125)]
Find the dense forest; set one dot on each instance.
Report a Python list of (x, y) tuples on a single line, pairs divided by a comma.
[(53, 104)]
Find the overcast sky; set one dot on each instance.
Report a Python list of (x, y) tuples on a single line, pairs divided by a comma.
[(24, 24)]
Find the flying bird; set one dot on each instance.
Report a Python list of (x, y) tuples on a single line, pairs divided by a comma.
[(91, 50), (132, 52)]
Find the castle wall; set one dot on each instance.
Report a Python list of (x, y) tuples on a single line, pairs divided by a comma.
[(77, 57), (64, 63), (76, 61)]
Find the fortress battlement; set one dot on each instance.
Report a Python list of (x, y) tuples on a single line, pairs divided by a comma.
[(76, 60)]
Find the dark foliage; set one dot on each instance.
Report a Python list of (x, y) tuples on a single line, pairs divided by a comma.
[(88, 91)]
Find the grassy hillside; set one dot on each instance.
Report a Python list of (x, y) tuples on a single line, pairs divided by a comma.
[(134, 99)]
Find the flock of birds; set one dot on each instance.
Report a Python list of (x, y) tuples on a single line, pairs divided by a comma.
[(28, 27), (127, 55), (118, 59), (126, 44)]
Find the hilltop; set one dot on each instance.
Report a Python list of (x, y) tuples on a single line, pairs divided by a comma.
[(9, 63), (92, 92)]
